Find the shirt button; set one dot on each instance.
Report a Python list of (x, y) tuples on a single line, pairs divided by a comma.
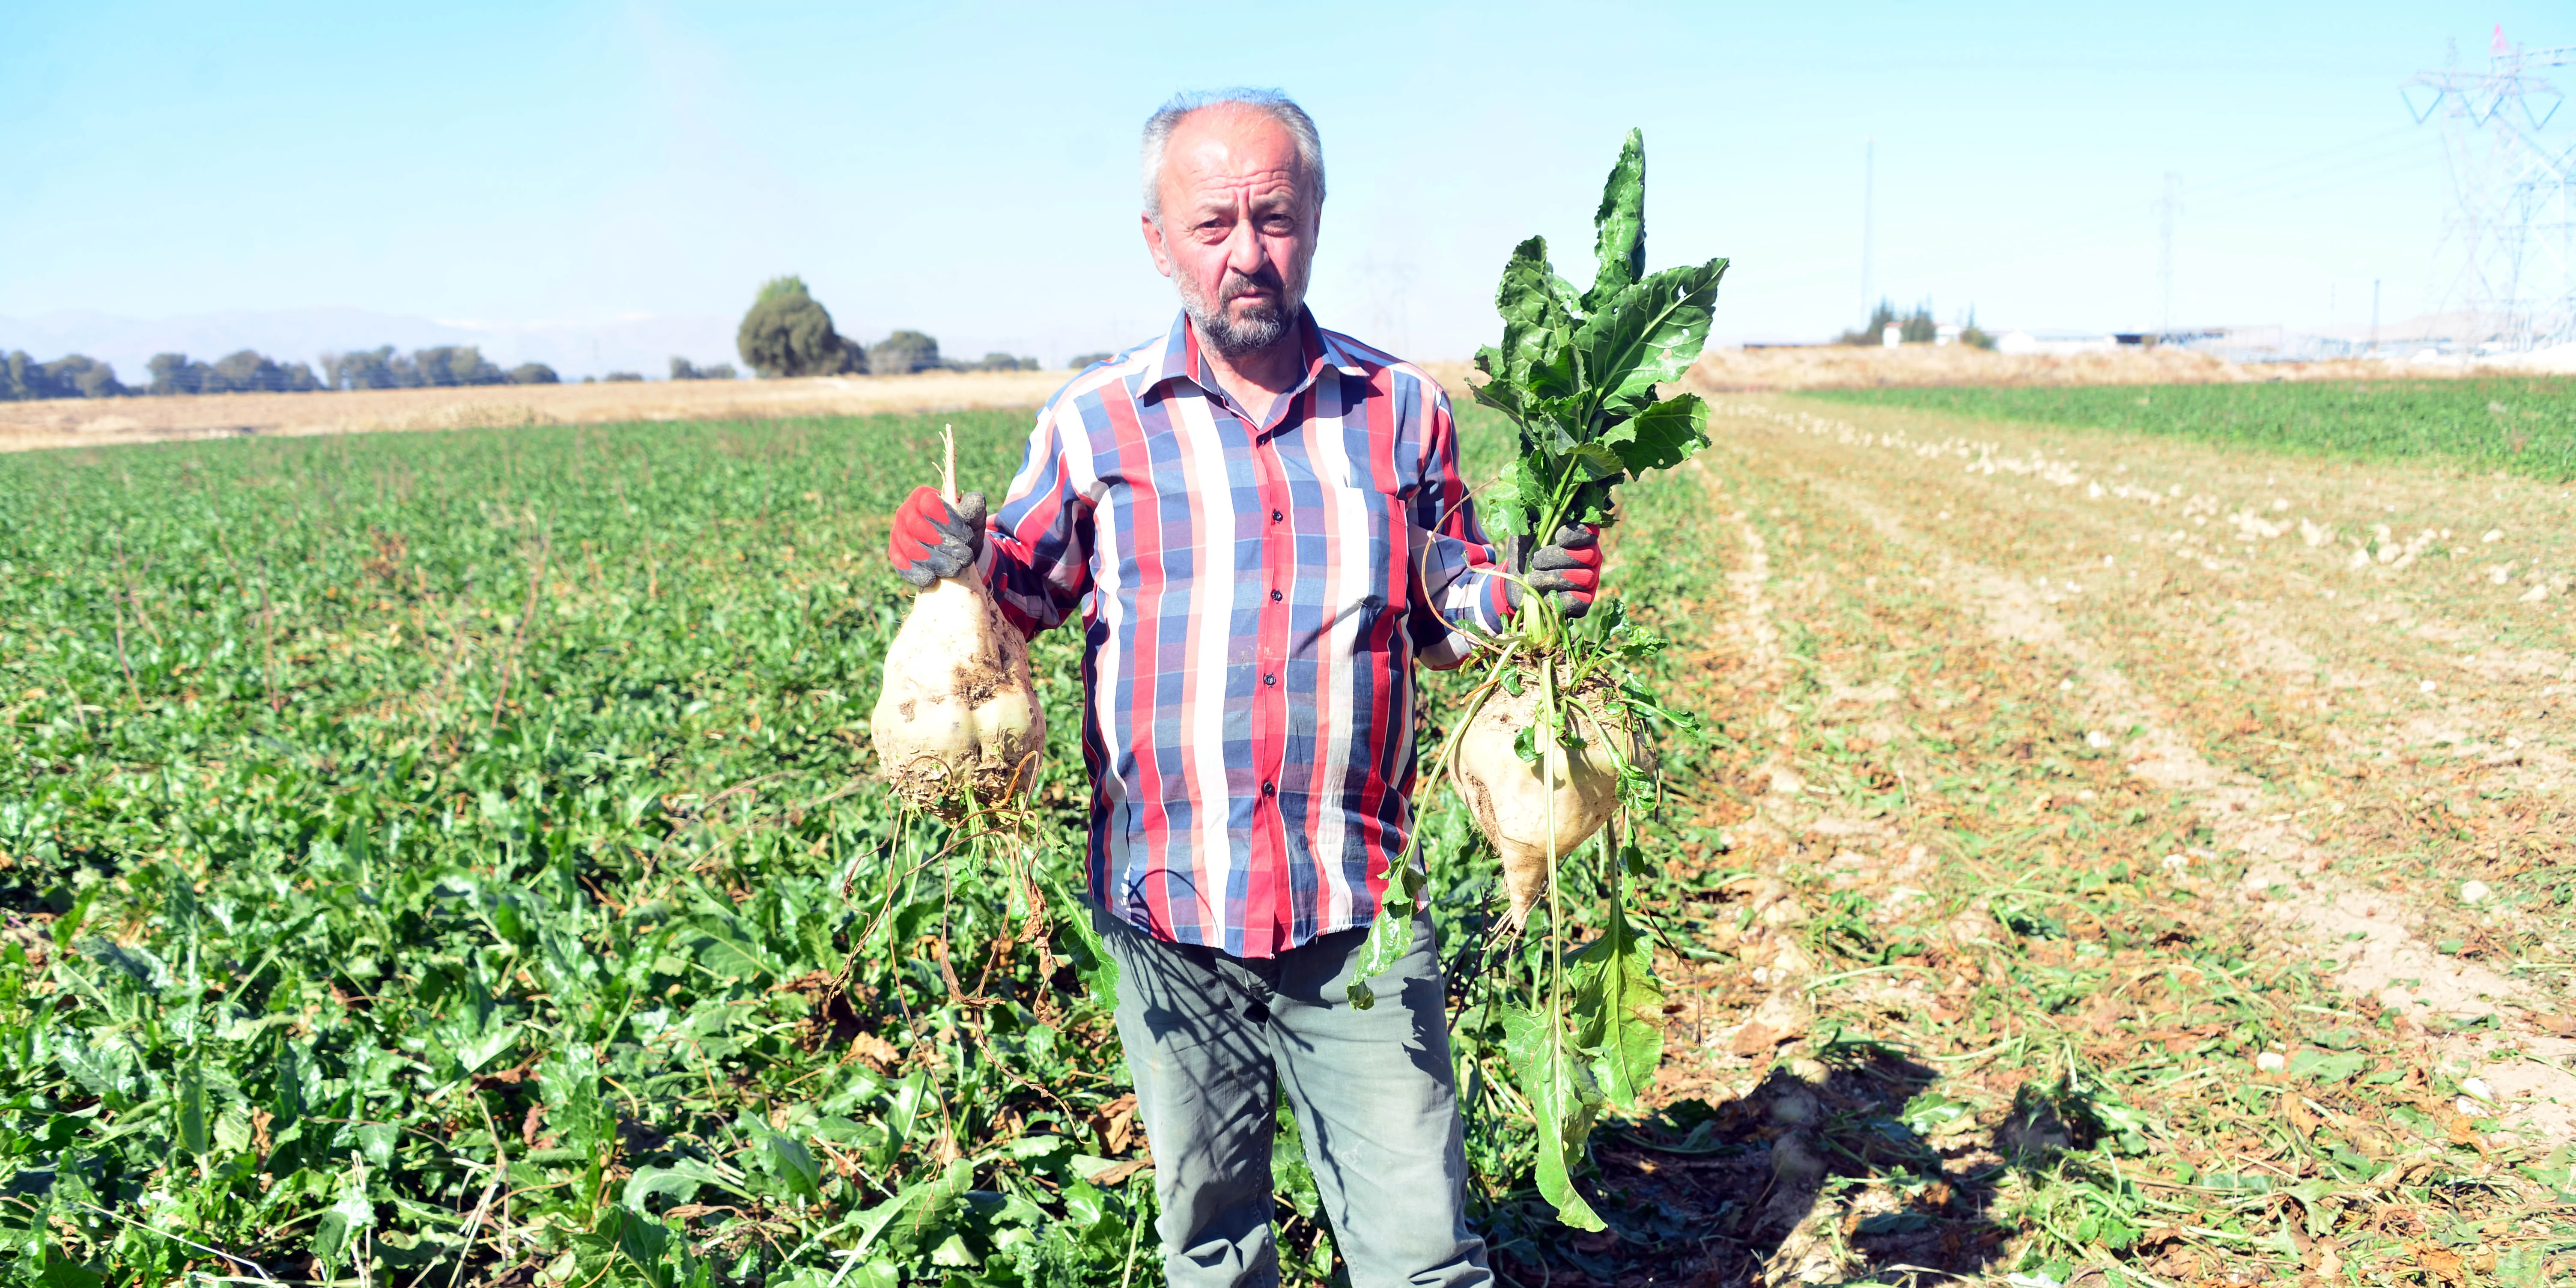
[(1276, 516), (1274, 597), (1270, 789)]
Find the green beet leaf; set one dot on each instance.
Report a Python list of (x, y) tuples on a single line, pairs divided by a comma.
[(1561, 1091), (1573, 370), (1661, 436), (1647, 334), (1618, 1010), (1390, 934), (1620, 224)]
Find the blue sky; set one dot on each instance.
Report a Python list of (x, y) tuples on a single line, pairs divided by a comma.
[(969, 169)]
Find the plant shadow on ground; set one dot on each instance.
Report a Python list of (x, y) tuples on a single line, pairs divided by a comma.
[(1710, 1195)]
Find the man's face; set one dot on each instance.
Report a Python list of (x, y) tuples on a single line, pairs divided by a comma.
[(1237, 232)]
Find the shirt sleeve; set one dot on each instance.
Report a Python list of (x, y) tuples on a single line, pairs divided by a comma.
[(1037, 548), (1459, 597)]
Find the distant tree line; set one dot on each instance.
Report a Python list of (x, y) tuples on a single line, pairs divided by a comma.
[(24, 379), (246, 372), (445, 367), (250, 372), (788, 332)]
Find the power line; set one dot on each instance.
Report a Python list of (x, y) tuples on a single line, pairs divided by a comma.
[(1868, 226), (2168, 210), (2513, 189), (2329, 168)]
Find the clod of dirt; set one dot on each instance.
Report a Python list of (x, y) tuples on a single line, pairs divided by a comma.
[(1794, 1107), (1795, 1161)]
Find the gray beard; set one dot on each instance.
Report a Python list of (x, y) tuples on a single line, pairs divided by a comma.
[(1262, 326)]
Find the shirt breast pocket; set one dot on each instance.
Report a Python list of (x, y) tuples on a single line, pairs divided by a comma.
[(1373, 534)]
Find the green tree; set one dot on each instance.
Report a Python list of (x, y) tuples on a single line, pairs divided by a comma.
[(1975, 336), (76, 375), (172, 373), (1082, 361), (1918, 326), (683, 369), (365, 369), (454, 365), (242, 372), (79, 375), (251, 372), (1875, 331), (789, 333), (534, 373), (623, 378), (902, 354)]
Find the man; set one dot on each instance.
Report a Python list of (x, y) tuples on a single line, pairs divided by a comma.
[(1263, 525)]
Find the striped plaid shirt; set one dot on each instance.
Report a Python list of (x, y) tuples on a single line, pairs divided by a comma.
[(1254, 589)]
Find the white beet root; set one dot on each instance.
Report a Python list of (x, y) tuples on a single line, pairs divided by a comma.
[(957, 705), (1509, 797)]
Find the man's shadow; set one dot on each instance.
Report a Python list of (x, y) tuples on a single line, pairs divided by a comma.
[(1713, 1196)]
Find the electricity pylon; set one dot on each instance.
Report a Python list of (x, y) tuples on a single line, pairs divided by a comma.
[(2515, 187), (2168, 210)]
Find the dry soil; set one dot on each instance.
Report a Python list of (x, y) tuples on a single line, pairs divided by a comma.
[(2359, 679), (81, 422)]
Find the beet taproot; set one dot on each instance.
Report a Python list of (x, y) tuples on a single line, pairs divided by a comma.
[(957, 722)]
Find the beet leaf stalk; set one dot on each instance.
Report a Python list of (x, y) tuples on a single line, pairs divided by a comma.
[(1553, 743)]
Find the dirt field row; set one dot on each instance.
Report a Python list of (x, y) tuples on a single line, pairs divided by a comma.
[(2089, 713), (2096, 717), (2319, 707)]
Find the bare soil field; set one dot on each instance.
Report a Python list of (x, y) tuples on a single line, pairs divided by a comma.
[(1860, 366), (82, 422), (2235, 791)]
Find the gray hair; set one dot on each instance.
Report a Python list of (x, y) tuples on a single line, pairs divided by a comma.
[(1266, 102)]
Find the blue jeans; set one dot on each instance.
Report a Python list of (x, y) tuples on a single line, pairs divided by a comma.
[(1213, 1041)]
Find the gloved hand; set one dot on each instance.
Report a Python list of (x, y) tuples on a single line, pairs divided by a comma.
[(932, 539), (1568, 568)]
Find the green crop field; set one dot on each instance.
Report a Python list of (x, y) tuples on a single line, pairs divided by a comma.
[(424, 846), (2524, 426), (451, 858)]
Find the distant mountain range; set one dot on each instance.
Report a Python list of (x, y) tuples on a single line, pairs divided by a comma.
[(643, 344)]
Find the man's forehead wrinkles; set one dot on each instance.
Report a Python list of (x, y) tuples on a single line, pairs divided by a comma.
[(1211, 176), (1213, 190)]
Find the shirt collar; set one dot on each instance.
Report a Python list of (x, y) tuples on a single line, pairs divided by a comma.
[(1180, 358)]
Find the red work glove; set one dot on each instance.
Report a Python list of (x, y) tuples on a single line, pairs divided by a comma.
[(1568, 568), (932, 540)]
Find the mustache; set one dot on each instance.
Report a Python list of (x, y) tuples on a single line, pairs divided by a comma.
[(1236, 284)]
